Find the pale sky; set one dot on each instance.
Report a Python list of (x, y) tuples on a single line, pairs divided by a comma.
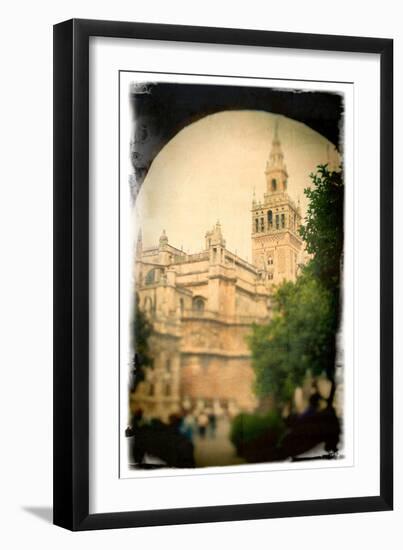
[(209, 170)]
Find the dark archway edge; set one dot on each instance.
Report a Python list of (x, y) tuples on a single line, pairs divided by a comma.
[(161, 110)]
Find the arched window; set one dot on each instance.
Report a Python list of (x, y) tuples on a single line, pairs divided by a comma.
[(151, 277), (182, 304), (270, 218), (198, 304), (270, 260), (262, 224), (270, 276), (282, 220), (277, 221), (274, 184), (257, 225)]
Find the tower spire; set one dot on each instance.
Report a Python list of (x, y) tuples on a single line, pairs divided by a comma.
[(276, 170)]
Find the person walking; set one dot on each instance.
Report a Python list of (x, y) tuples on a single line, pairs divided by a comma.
[(202, 423), (212, 423), (187, 425)]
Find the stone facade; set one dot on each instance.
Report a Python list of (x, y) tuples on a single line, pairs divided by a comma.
[(202, 305)]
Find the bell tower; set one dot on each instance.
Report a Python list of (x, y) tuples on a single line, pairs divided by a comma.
[(276, 244)]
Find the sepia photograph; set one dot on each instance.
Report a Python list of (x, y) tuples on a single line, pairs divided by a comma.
[(235, 305), (223, 269)]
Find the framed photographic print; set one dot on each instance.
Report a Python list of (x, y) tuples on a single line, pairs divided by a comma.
[(223, 320)]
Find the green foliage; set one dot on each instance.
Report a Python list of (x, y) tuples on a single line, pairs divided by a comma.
[(301, 335), (250, 427), (323, 230), (141, 331), (294, 341)]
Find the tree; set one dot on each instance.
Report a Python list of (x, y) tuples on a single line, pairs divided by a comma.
[(141, 330), (302, 333), (323, 233), (323, 230), (294, 341)]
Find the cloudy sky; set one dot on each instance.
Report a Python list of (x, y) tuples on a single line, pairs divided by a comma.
[(209, 171)]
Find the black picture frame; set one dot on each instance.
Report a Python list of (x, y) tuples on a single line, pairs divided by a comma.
[(71, 273)]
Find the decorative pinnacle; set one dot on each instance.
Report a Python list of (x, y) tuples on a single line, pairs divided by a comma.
[(163, 238)]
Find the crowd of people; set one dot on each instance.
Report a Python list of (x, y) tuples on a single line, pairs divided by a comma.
[(155, 443), (171, 442), (202, 423)]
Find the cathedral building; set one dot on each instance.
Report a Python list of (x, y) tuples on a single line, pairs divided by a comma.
[(202, 305)]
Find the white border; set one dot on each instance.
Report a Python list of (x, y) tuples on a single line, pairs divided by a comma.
[(126, 259), (108, 493)]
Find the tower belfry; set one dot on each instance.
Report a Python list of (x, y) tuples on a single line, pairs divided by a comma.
[(276, 244)]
